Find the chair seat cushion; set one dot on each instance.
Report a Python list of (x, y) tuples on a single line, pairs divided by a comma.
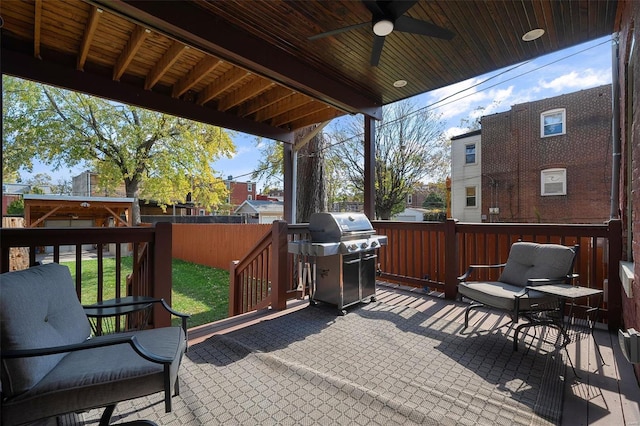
[(98, 377), (501, 295)]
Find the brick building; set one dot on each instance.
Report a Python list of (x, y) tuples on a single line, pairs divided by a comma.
[(549, 160), (239, 192)]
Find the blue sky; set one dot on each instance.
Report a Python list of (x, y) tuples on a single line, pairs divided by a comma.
[(581, 67)]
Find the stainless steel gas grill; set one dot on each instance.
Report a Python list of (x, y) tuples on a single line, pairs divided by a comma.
[(341, 258)]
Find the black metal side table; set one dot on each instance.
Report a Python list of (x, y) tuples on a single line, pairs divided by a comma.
[(571, 293), (120, 314)]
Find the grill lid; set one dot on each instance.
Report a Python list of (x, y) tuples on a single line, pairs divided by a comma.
[(334, 227)]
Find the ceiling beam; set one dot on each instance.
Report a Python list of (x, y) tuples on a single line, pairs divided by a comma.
[(222, 83), (197, 73), (162, 66), (247, 91), (195, 27), (26, 66), (287, 104), (37, 27), (87, 37), (254, 105), (324, 115), (298, 113), (126, 56)]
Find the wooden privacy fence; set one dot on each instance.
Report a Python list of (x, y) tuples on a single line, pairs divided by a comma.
[(215, 245)]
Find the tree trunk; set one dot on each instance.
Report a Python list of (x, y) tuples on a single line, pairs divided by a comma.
[(311, 194), (131, 186)]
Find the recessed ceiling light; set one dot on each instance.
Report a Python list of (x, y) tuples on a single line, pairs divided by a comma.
[(400, 83), (533, 34)]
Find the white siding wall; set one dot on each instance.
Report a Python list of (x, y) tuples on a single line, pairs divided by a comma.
[(464, 175)]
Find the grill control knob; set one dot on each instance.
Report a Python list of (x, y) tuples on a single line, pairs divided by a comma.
[(364, 245), (353, 246), (374, 243)]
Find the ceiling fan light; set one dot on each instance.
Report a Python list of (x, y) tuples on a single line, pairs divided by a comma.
[(383, 27), (533, 34), (399, 83)]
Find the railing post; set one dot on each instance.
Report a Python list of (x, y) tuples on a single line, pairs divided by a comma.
[(279, 256), (450, 260), (614, 228), (162, 272), (233, 288)]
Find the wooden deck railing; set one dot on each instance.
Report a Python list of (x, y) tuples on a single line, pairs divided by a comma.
[(151, 263), (433, 255)]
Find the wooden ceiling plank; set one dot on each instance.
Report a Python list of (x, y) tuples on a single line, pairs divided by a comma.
[(87, 37), (291, 102), (37, 28), (225, 82), (246, 92), (274, 95), (197, 73), (163, 65), (125, 58)]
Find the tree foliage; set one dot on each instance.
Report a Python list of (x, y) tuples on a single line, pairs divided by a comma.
[(410, 147), (157, 156)]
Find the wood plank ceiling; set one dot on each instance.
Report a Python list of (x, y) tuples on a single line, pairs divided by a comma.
[(250, 66)]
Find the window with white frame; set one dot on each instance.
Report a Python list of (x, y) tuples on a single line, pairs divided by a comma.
[(470, 153), (249, 197), (410, 199), (201, 212), (553, 182), (470, 192), (553, 122), (249, 187)]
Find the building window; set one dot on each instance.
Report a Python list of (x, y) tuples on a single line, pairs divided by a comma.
[(249, 197), (553, 182), (409, 199), (470, 153), (553, 122), (201, 212), (249, 187), (471, 196)]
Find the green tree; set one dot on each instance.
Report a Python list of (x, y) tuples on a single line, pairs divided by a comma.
[(157, 156), (16, 207), (410, 148)]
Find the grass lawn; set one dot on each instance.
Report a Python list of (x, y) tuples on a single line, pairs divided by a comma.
[(198, 290)]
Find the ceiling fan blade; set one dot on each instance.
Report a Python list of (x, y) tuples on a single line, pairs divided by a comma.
[(374, 8), (415, 26), (398, 7), (376, 50), (338, 31)]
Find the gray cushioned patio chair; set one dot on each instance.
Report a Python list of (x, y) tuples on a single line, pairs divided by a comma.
[(528, 265), (50, 364)]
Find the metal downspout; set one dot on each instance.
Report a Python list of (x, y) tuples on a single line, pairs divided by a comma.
[(615, 131)]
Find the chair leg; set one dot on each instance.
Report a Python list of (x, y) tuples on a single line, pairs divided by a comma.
[(106, 415), (466, 313)]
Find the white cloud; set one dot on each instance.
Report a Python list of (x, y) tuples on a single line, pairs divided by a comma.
[(574, 81)]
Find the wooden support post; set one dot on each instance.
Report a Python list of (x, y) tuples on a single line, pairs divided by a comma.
[(161, 275), (279, 263), (450, 260), (369, 167)]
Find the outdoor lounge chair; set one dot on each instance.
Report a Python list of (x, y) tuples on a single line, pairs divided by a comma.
[(528, 265), (51, 365)]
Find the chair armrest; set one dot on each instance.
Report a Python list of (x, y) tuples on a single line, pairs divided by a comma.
[(532, 282), (109, 340), (466, 275)]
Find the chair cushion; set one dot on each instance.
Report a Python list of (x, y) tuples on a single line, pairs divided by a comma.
[(98, 377), (38, 308), (501, 295), (531, 260)]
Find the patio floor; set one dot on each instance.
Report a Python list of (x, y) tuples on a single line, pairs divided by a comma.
[(401, 360)]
